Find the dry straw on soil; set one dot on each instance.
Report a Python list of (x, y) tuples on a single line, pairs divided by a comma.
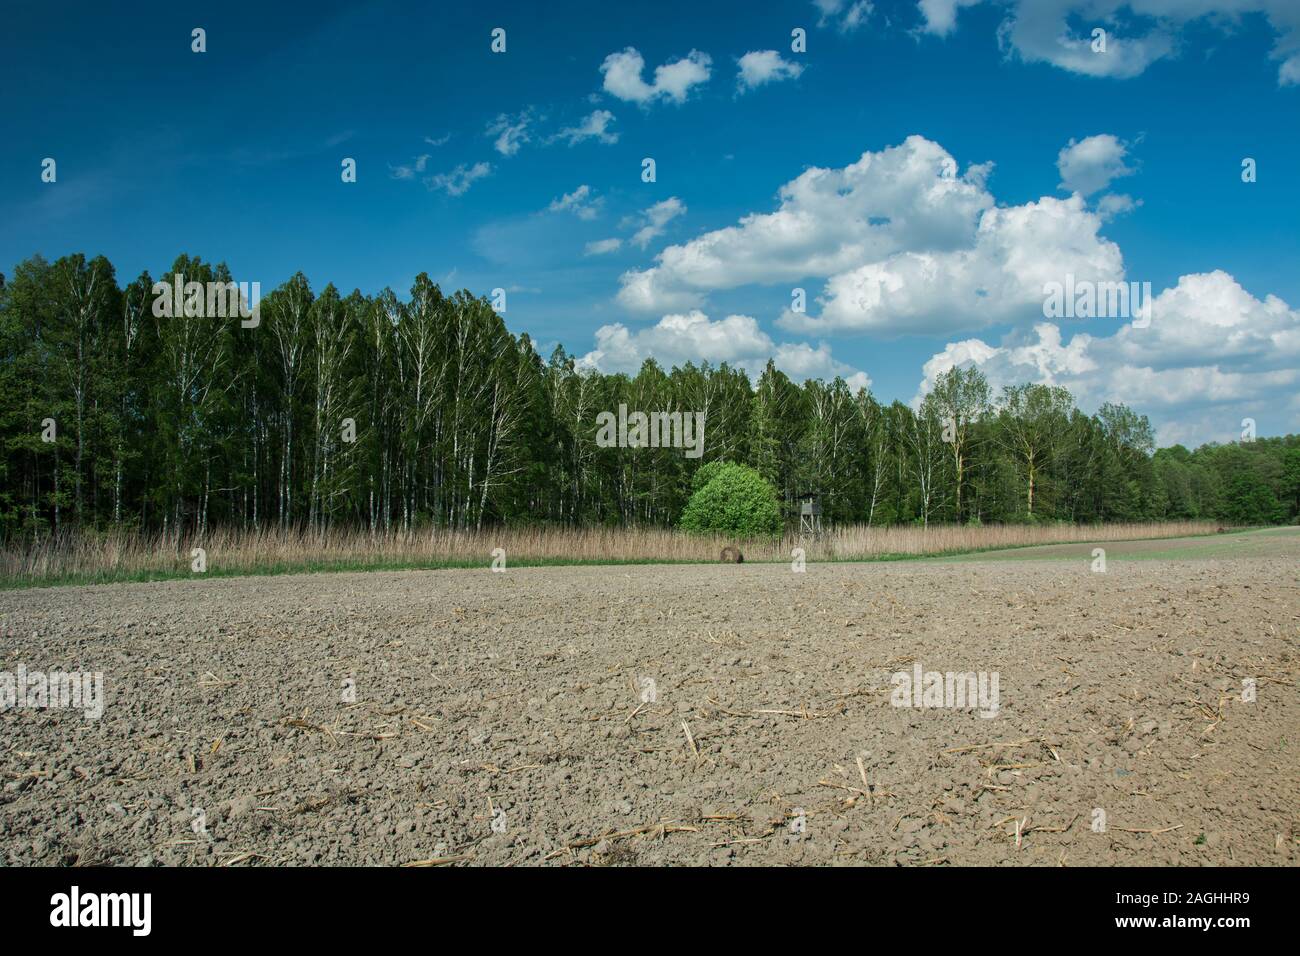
[(115, 556)]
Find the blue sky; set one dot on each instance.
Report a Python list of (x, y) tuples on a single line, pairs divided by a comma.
[(939, 162)]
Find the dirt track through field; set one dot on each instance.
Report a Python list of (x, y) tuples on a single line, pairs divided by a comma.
[(499, 718)]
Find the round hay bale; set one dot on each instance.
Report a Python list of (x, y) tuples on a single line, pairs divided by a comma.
[(731, 555)]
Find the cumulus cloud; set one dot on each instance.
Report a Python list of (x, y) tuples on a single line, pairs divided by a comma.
[(1000, 278), (458, 181), (1089, 165), (672, 81), (644, 292), (905, 241), (764, 66), (594, 126), (580, 202), (831, 220), (1059, 32), (1211, 355), (693, 337)]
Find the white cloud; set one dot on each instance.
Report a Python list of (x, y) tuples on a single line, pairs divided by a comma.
[(998, 279), (1116, 204), (580, 202), (594, 126), (1089, 165), (409, 171), (847, 15), (1041, 33), (941, 15), (765, 66), (1039, 358), (622, 72), (1289, 73), (644, 292), (656, 218), (1059, 32), (674, 80), (510, 133), (828, 221), (1212, 355), (603, 247), (680, 338), (458, 181), (801, 361), (693, 337), (905, 242), (1209, 316), (439, 141)]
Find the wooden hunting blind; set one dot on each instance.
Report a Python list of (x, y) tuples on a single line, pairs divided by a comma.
[(810, 513)]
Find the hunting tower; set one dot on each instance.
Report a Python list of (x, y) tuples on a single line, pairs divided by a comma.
[(810, 514)]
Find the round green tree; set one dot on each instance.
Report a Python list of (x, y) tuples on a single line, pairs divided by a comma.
[(732, 499)]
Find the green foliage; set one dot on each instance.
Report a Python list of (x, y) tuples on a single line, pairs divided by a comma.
[(189, 423), (1250, 501), (706, 473), (735, 499)]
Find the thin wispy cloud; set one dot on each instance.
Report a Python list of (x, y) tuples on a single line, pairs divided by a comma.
[(845, 15), (410, 170), (510, 133), (594, 126), (581, 202), (1138, 32), (459, 180), (656, 219), (603, 247)]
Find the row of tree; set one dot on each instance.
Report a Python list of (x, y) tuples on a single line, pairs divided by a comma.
[(385, 413)]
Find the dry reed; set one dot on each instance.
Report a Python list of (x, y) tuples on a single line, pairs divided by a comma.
[(117, 556)]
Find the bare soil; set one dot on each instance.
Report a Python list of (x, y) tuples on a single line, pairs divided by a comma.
[(498, 718)]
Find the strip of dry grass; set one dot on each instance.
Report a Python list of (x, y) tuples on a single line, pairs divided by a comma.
[(70, 558)]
